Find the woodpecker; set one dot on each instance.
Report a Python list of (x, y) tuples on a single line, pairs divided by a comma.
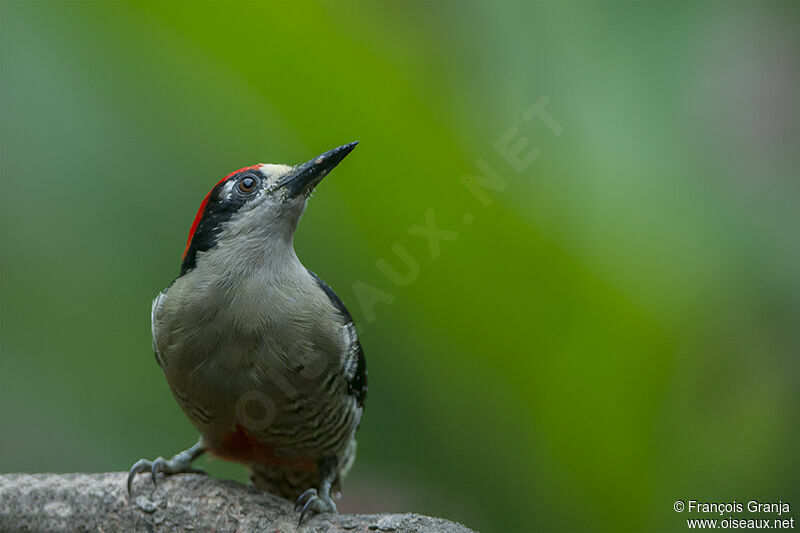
[(259, 352)]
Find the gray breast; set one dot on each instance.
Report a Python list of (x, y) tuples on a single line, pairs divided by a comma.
[(272, 354)]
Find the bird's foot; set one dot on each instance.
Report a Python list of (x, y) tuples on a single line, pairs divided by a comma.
[(313, 502), (180, 463)]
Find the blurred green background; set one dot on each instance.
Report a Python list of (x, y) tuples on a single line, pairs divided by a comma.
[(619, 328)]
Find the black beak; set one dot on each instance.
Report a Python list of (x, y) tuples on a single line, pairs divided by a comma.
[(306, 176)]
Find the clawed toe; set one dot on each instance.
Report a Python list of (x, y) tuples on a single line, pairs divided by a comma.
[(311, 502), (304, 498), (181, 463), (160, 466), (157, 466), (142, 465)]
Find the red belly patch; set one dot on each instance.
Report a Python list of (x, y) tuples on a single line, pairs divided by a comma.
[(243, 447)]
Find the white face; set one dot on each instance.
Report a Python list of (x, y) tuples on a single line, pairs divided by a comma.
[(270, 214), (250, 222), (251, 215), (269, 175)]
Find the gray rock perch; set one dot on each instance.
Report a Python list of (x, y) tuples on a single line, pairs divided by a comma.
[(182, 503)]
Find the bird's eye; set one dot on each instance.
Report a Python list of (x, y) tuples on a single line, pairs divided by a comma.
[(247, 184)]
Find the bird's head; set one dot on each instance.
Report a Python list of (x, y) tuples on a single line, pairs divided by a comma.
[(257, 208)]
